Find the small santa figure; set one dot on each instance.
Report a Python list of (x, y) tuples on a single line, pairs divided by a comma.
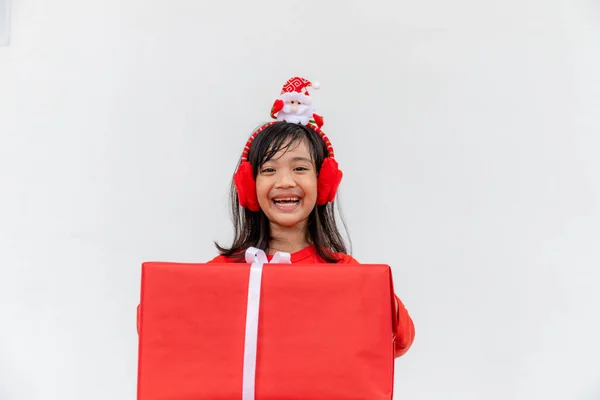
[(294, 104)]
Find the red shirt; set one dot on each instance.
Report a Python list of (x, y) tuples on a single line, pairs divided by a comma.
[(307, 255), (404, 330)]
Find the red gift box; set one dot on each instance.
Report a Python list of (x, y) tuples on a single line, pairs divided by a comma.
[(308, 332)]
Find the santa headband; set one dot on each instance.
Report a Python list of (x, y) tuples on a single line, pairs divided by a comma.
[(296, 89)]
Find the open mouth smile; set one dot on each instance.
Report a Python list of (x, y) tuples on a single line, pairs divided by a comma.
[(286, 203)]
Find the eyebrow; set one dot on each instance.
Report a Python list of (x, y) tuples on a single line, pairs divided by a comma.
[(302, 159), (308, 160)]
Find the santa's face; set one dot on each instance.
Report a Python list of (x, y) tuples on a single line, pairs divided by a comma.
[(295, 107)]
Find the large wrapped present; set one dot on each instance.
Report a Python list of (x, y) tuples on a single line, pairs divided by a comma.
[(265, 331)]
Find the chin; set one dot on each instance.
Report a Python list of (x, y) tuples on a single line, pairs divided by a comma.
[(288, 222)]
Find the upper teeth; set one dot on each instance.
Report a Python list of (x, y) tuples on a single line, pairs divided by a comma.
[(287, 199)]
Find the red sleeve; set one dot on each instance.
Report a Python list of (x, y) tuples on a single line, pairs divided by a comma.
[(404, 331), (218, 259), (347, 259)]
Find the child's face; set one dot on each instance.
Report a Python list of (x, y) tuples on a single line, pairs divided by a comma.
[(286, 186)]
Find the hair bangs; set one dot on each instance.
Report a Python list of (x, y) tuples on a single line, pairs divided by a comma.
[(282, 138)]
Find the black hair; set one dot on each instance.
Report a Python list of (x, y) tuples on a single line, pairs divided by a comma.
[(252, 229)]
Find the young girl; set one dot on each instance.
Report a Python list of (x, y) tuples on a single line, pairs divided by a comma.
[(282, 194)]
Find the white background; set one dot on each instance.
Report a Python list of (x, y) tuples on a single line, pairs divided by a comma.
[(468, 132), (4, 22)]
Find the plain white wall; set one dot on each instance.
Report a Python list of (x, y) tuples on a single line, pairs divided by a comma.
[(4, 22), (468, 132)]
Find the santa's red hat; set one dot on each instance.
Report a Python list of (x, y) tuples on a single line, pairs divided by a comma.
[(296, 88)]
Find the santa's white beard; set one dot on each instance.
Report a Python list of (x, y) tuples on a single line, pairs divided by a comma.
[(301, 110), (302, 115)]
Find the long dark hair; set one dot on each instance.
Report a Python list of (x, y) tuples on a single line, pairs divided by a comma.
[(251, 229)]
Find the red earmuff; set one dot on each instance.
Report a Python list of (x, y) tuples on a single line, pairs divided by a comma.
[(328, 181), (246, 186)]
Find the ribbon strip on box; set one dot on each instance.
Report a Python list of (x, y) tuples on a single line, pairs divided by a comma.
[(257, 258)]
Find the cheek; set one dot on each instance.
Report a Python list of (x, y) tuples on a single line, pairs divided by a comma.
[(310, 188), (262, 188), (264, 185)]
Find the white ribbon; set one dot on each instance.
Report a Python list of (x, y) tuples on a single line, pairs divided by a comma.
[(257, 258)]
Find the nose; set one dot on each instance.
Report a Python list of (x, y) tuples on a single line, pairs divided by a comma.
[(285, 179)]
